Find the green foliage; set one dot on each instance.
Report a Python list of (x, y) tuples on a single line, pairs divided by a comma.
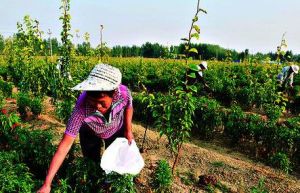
[(25, 46), (14, 176), (62, 186), (193, 34), (2, 99), (260, 188), (36, 106), (6, 88), (27, 103), (177, 109), (85, 175), (208, 117), (249, 86), (65, 51), (34, 147), (121, 183), (146, 105), (235, 124), (8, 122), (162, 180), (281, 161), (218, 164), (23, 102), (188, 178), (175, 118), (64, 109)]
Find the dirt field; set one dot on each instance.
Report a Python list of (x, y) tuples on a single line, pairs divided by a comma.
[(234, 171)]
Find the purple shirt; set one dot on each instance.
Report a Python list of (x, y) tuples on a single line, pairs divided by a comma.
[(84, 113)]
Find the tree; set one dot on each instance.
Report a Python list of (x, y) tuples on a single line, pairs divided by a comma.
[(65, 50), (2, 44), (149, 50)]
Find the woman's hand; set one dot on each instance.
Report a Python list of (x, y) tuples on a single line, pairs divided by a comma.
[(129, 135), (59, 156), (128, 125), (44, 189)]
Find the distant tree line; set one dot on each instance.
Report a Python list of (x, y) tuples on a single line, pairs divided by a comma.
[(155, 50)]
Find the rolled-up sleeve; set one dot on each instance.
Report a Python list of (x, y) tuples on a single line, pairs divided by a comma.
[(75, 122)]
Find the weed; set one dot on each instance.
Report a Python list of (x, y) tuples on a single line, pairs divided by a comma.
[(260, 188), (218, 164), (162, 177), (121, 183), (14, 176), (281, 161)]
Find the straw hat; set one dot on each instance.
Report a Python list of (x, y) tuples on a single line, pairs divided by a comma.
[(103, 77), (204, 64), (295, 68)]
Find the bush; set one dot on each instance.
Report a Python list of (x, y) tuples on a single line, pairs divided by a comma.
[(38, 148), (6, 88), (1, 99), (36, 106), (34, 147), (208, 117), (140, 105), (8, 122), (23, 103), (4, 72), (85, 174), (121, 183), (14, 176), (235, 124), (162, 177), (64, 109), (273, 112), (280, 160)]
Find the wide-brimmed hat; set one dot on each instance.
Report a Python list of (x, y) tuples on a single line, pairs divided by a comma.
[(204, 64), (295, 68), (103, 77)]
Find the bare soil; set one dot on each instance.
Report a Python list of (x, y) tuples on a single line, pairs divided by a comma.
[(233, 170)]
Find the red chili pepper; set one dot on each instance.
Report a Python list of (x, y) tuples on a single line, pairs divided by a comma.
[(4, 111), (15, 125)]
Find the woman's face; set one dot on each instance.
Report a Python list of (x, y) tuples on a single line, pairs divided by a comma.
[(102, 102)]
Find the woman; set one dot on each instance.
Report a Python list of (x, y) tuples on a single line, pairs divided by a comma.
[(104, 110), (286, 76)]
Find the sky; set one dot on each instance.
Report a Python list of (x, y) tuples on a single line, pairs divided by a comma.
[(257, 25)]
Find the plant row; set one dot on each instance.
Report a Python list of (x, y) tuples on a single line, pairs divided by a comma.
[(265, 135)]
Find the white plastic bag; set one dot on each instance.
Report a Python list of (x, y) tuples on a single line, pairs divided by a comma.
[(122, 158)]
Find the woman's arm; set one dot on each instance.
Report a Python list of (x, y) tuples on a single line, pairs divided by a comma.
[(291, 79), (59, 156), (128, 124)]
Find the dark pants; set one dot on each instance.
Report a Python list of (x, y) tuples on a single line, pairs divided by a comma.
[(91, 144)]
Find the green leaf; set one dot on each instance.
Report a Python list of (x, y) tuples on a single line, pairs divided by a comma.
[(193, 67), (197, 28), (195, 35), (179, 88), (193, 88), (192, 75), (193, 50), (151, 96), (195, 19)]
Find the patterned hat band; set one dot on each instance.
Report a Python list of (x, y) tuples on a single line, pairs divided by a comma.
[(103, 77)]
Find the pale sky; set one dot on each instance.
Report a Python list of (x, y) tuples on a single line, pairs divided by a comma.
[(236, 24)]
